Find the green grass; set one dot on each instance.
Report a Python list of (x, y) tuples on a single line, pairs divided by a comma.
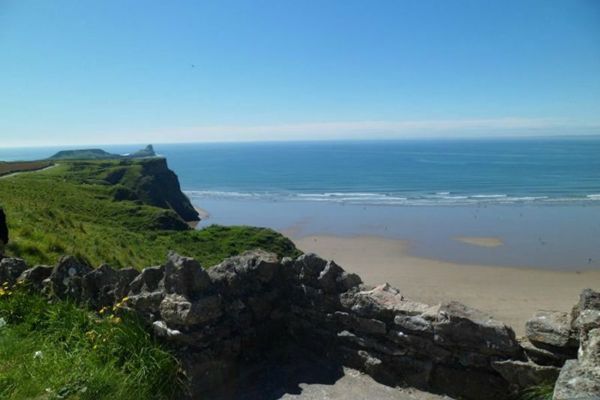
[(58, 351), (70, 209), (541, 392)]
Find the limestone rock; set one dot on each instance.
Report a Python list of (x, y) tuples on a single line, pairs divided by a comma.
[(308, 267), (414, 324), (178, 310), (185, 276), (588, 300), (148, 280), (576, 382), (97, 286), (33, 278), (552, 328), (11, 269), (524, 374), (460, 326), (245, 273), (65, 281), (328, 278), (586, 321), (348, 281), (545, 354), (382, 302)]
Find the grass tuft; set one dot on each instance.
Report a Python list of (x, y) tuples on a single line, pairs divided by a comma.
[(56, 350)]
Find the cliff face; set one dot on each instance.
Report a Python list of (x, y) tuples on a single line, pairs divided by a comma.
[(157, 185)]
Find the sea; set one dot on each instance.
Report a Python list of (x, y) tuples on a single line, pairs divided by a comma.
[(539, 197)]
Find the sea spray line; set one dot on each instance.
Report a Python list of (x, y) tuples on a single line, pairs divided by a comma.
[(359, 198)]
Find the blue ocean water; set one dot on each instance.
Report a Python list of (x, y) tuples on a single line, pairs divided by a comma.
[(541, 198), (409, 172)]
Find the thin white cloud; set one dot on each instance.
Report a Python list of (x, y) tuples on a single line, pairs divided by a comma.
[(517, 127), (352, 130)]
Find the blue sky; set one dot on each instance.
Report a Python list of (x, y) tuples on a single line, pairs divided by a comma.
[(95, 72)]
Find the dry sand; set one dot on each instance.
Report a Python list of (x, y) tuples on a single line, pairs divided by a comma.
[(511, 295)]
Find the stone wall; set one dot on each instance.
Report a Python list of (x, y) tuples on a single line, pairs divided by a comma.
[(237, 311)]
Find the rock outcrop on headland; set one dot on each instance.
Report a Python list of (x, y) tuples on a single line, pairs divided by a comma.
[(235, 312)]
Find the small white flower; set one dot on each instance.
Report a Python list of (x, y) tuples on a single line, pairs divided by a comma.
[(37, 355), (2, 323)]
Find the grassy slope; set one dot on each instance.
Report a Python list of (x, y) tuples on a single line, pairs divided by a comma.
[(60, 351), (70, 209)]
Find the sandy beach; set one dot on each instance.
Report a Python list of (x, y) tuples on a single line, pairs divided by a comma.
[(509, 294)]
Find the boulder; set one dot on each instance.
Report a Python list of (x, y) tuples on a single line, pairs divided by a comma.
[(459, 326), (328, 278), (97, 286), (545, 354), (33, 278), (65, 281), (246, 273), (471, 384), (147, 281), (525, 374), (588, 300), (580, 379), (348, 281), (382, 302), (308, 268), (577, 382), (586, 321), (414, 324), (11, 269), (185, 276), (177, 310), (551, 328)]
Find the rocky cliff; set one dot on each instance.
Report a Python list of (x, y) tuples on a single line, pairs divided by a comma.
[(234, 313), (158, 186)]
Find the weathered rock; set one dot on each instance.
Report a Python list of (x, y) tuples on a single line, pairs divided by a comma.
[(328, 278), (552, 328), (576, 382), (308, 267), (589, 351), (65, 281), (33, 278), (179, 311), (463, 327), (98, 285), (246, 273), (417, 345), (382, 302), (588, 300), (348, 281), (362, 325), (147, 304), (11, 269), (185, 276), (414, 324), (525, 374), (545, 354), (147, 281), (580, 379), (586, 321), (122, 285)]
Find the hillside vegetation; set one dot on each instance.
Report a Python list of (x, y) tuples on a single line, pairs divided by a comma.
[(117, 212)]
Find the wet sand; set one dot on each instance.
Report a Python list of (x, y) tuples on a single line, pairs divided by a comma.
[(509, 294)]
